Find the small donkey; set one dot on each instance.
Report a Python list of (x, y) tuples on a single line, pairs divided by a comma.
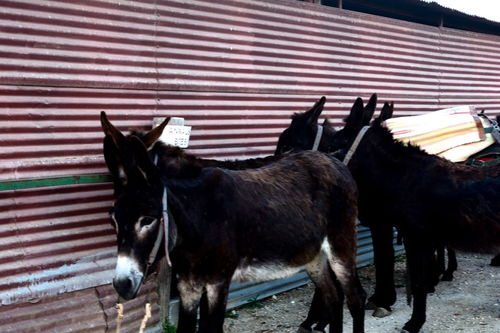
[(259, 224)]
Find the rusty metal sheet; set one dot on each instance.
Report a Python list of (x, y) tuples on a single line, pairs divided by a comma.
[(54, 240), (92, 310), (234, 69)]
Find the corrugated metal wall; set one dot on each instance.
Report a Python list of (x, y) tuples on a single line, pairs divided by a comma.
[(235, 69)]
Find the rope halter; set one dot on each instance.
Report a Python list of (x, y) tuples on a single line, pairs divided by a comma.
[(355, 145)]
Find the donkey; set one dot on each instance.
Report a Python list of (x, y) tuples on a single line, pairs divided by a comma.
[(178, 162), (430, 200), (298, 212), (300, 135)]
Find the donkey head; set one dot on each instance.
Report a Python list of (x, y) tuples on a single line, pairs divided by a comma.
[(359, 117), (301, 133), (116, 152), (137, 211)]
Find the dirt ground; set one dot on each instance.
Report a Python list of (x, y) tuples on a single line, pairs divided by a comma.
[(469, 304)]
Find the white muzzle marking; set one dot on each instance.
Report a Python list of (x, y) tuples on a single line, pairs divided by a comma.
[(127, 267), (127, 275)]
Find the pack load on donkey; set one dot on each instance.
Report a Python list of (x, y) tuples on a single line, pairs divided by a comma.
[(298, 212), (456, 133)]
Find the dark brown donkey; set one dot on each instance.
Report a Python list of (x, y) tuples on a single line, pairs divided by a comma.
[(299, 212), (178, 164), (432, 201)]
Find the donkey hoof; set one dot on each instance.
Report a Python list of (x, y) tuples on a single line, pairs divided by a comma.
[(404, 331), (381, 313), (303, 330), (370, 305), (447, 277)]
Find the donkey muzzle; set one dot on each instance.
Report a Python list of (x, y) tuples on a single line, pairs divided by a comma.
[(128, 277)]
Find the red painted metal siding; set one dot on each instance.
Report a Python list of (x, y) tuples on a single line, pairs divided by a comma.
[(54, 240), (235, 69), (84, 311), (232, 68)]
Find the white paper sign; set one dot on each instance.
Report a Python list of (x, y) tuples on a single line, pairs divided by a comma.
[(175, 135)]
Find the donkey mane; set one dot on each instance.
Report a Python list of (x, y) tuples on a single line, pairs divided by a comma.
[(177, 163), (387, 141), (406, 151)]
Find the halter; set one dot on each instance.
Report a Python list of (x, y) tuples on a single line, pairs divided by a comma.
[(355, 145), (317, 139), (164, 227)]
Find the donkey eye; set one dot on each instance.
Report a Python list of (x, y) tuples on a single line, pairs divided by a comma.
[(147, 220)]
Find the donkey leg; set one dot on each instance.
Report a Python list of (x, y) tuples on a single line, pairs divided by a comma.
[(441, 265), (335, 320), (214, 308), (419, 259), (328, 294), (436, 267), (452, 265), (190, 294), (315, 313), (343, 263), (495, 261), (385, 292)]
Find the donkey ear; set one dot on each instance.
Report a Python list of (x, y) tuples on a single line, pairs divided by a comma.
[(111, 130), (369, 110), (313, 114), (387, 111), (141, 161), (113, 161), (355, 118), (152, 136)]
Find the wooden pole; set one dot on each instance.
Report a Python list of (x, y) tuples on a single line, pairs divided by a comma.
[(164, 281)]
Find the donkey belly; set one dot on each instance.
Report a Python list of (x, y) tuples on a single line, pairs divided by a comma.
[(310, 257), (473, 220), (264, 271)]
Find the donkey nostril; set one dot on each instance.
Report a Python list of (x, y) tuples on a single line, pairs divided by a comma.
[(122, 285)]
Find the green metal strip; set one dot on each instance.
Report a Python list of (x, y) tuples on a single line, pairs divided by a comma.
[(71, 180)]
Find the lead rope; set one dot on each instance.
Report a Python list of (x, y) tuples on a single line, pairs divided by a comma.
[(119, 316), (166, 224), (164, 230), (147, 315)]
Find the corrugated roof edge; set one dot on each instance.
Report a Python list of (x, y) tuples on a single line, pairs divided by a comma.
[(429, 13)]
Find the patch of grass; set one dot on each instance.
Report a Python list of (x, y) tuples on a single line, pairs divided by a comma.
[(232, 315), (253, 303), (400, 257), (168, 327)]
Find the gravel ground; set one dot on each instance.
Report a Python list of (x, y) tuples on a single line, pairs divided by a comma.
[(469, 304)]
